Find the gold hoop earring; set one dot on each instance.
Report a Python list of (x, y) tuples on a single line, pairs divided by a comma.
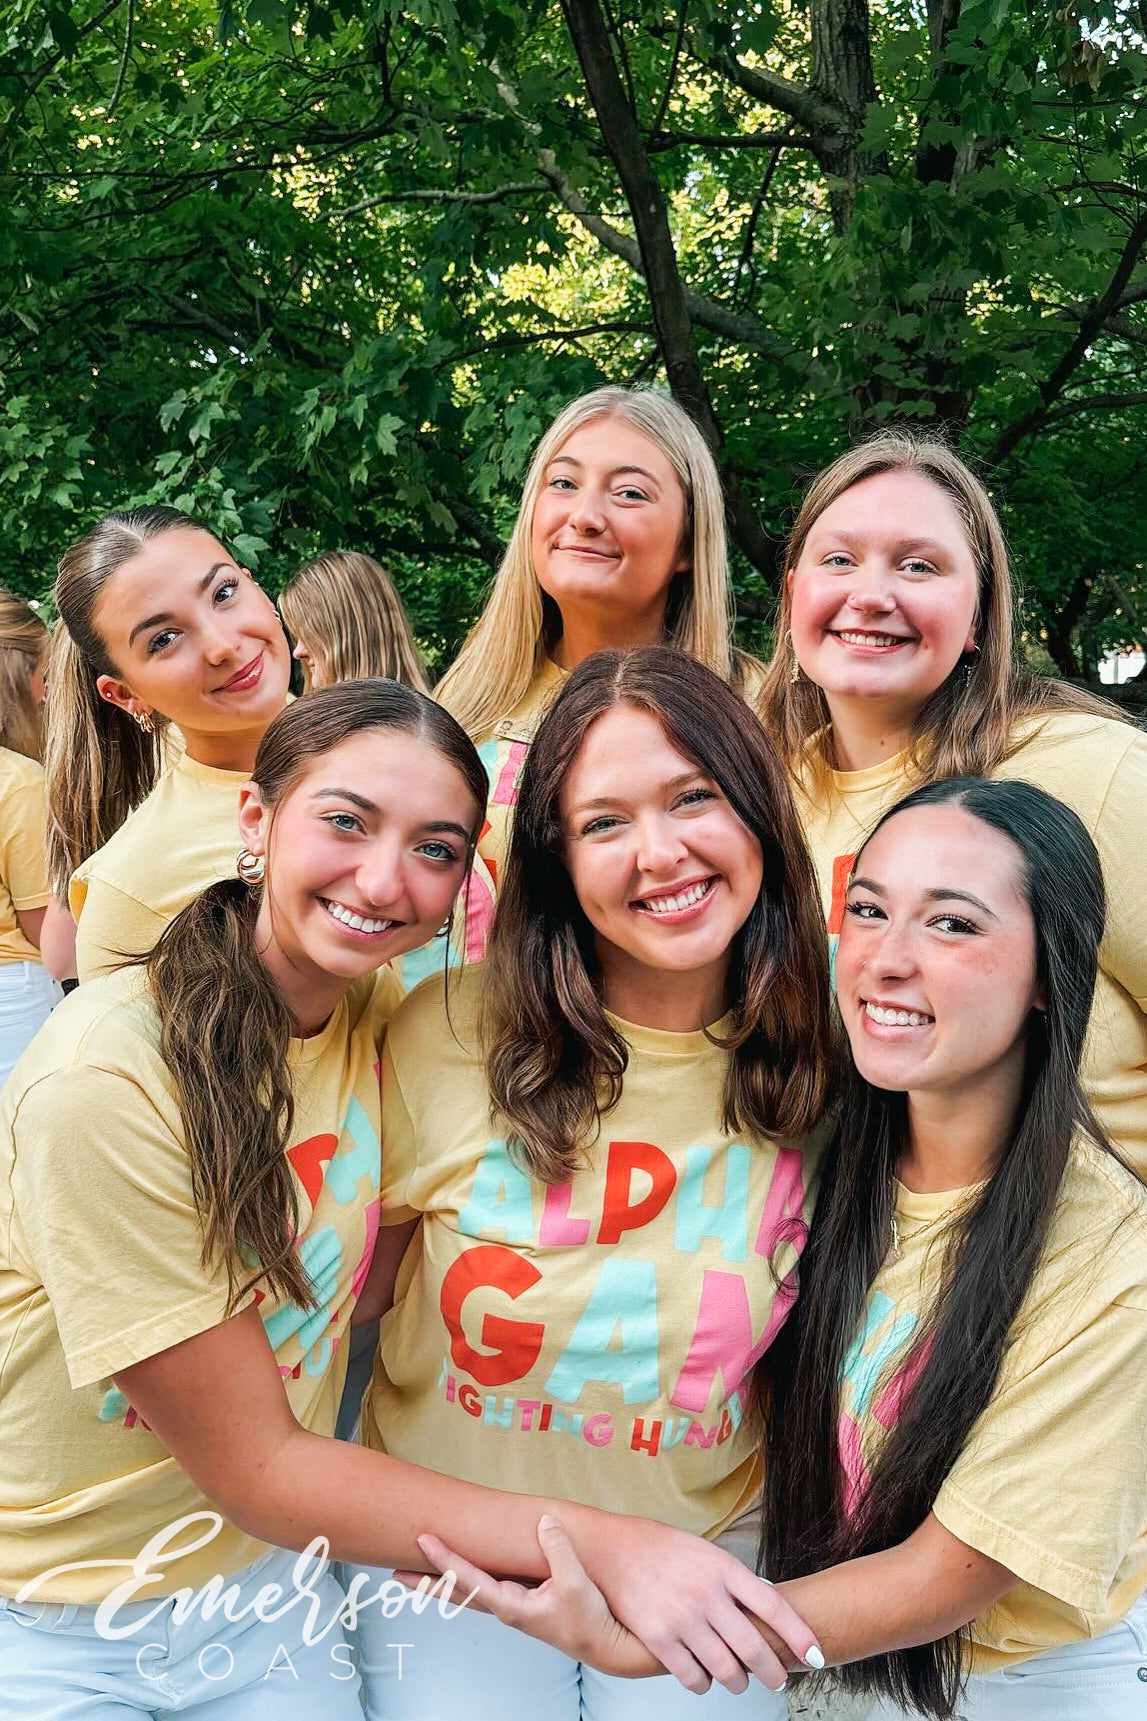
[(146, 721), (252, 869), (447, 926), (795, 671)]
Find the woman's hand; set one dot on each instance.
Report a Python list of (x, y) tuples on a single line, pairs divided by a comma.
[(683, 1602), (696, 1608), (567, 1609)]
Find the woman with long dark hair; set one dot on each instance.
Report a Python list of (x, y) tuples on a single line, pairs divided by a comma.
[(957, 1410), (604, 1143)]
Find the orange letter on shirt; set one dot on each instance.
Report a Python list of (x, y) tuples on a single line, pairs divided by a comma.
[(514, 1344), (626, 1157)]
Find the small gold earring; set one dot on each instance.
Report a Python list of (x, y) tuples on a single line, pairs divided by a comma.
[(251, 868), (795, 671), (146, 721)]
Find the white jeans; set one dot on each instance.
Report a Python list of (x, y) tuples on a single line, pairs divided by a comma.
[(422, 1667), (1101, 1679), (56, 1666), (27, 995)]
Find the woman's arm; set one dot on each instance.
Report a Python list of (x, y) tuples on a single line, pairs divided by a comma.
[(377, 1292), (217, 1403), (56, 940), (922, 1589), (31, 921)]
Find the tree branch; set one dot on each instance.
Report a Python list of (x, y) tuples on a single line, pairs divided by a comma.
[(1095, 403), (1090, 324), (673, 65), (50, 64), (435, 196), (124, 59), (747, 140), (822, 119)]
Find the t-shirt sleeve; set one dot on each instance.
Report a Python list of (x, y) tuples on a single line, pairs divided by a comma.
[(110, 926), (1121, 838), (1053, 1483), (23, 854), (104, 1213), (399, 1148)]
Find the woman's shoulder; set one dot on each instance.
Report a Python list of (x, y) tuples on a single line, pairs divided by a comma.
[(201, 804), (1097, 1244), (522, 721), (438, 1022), (1063, 734), (17, 771), (107, 1025)]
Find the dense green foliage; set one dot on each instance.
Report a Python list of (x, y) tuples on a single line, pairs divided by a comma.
[(322, 272)]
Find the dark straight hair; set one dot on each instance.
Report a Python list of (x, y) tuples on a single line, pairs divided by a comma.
[(223, 1024), (990, 1259), (555, 1061)]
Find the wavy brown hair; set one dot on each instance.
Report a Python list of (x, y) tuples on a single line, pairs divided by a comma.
[(966, 727), (555, 1061), (23, 638), (224, 1028)]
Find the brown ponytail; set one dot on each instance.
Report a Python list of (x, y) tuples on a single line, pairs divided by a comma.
[(224, 1027)]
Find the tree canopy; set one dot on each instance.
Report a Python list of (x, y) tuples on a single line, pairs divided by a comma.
[(322, 272)]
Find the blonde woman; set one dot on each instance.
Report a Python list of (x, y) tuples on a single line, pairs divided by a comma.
[(619, 541), (158, 624), (347, 622), (896, 665), (27, 991)]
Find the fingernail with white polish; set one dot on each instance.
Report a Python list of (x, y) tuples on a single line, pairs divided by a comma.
[(815, 1657)]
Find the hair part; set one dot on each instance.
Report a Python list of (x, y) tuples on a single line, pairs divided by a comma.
[(224, 1027), (966, 727), (23, 638), (555, 1061), (991, 1253), (99, 762), (345, 611), (519, 624)]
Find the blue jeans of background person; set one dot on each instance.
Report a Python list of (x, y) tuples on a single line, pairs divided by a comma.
[(27, 995), (54, 1666), (1101, 1679)]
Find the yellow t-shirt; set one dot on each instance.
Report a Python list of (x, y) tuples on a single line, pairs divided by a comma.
[(182, 838), (592, 1341), (23, 853), (1098, 767), (100, 1267), (1053, 1481)]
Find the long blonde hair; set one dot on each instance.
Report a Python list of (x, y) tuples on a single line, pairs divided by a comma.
[(345, 611), (99, 762), (966, 727), (508, 644), (23, 637)]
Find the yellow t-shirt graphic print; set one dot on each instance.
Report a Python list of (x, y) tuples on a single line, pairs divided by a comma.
[(595, 1339)]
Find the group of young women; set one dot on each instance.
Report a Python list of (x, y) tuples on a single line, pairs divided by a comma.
[(643, 1233)]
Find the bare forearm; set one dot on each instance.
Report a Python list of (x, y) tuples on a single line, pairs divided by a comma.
[(370, 1508), (918, 1591)]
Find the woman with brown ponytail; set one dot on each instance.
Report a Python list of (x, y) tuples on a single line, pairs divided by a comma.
[(27, 991), (189, 1178), (158, 626)]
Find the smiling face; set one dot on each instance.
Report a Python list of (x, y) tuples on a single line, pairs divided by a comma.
[(365, 856), (884, 594), (607, 529), (663, 868), (194, 638), (936, 967)]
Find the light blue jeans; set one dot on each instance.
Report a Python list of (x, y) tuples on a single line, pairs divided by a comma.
[(1101, 1679), (27, 995), (56, 1666)]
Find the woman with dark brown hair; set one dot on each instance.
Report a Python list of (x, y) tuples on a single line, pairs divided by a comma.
[(606, 1137)]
